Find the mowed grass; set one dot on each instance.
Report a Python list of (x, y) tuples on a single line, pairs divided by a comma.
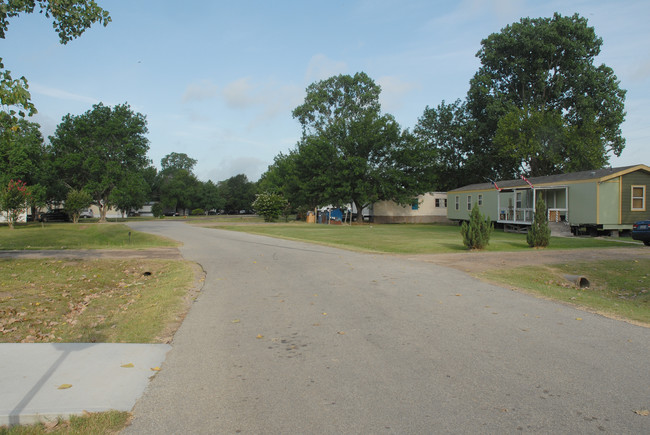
[(78, 236), (111, 422), (409, 239), (104, 301), (620, 289)]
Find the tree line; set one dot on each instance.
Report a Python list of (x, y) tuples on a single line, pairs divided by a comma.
[(538, 105), (103, 154)]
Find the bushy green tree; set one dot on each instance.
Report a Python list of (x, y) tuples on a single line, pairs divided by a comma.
[(76, 201), (269, 205), (539, 234), (157, 210), (476, 234), (98, 150)]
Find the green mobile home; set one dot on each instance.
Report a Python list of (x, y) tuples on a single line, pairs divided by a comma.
[(609, 199)]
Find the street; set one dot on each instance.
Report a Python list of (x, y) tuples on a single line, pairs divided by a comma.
[(294, 338)]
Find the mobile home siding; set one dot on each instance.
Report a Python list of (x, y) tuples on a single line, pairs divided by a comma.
[(609, 202), (582, 203), (638, 178)]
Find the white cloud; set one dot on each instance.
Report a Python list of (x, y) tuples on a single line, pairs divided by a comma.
[(252, 167), (321, 67), (270, 99), (35, 88), (240, 94), (393, 92), (199, 91)]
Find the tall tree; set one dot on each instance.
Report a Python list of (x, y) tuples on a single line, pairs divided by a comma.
[(175, 161), (95, 151), (70, 19), (445, 131), (238, 193), (355, 152), (21, 151), (540, 104)]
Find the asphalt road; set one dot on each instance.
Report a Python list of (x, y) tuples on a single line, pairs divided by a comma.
[(293, 338)]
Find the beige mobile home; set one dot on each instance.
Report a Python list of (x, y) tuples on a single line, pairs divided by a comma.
[(428, 208)]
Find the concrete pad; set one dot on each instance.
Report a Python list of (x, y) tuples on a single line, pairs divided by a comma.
[(31, 374)]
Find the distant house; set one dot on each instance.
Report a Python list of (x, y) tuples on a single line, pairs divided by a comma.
[(428, 208), (609, 199)]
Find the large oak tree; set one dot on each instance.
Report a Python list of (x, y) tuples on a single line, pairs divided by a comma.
[(539, 103), (100, 151), (350, 151)]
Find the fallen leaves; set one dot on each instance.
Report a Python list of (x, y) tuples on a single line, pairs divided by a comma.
[(643, 412), (64, 386), (127, 366), (259, 336)]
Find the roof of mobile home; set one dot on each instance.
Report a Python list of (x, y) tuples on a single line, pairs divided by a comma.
[(593, 175)]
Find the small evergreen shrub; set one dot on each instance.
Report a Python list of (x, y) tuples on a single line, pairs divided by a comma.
[(198, 212), (476, 233), (539, 234)]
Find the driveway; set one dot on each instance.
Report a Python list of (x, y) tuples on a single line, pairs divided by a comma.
[(289, 337)]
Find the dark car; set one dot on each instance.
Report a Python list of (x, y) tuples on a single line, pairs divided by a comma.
[(641, 231), (54, 216)]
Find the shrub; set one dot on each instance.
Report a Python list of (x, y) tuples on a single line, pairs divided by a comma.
[(476, 233), (157, 210), (269, 205), (76, 201), (13, 200), (539, 234), (197, 212)]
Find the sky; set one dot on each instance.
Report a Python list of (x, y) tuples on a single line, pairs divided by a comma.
[(218, 80)]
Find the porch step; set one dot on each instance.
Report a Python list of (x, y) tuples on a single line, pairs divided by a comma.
[(560, 229)]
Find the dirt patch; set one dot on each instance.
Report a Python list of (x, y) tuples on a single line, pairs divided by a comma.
[(477, 262), (162, 253)]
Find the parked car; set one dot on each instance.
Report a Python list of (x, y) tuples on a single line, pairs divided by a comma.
[(54, 216), (641, 231), (86, 214)]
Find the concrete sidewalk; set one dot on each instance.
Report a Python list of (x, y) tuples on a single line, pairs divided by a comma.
[(31, 374)]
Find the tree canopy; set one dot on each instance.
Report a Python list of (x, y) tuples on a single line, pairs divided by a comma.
[(99, 150), (349, 150), (539, 103)]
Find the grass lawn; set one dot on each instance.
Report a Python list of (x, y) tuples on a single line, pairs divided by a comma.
[(111, 422), (78, 236), (618, 288), (409, 239), (104, 301)]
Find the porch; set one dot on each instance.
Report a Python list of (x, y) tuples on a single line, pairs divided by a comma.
[(517, 206)]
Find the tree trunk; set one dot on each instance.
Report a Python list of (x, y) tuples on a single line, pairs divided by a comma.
[(359, 207)]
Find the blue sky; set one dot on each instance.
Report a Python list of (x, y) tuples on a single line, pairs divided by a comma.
[(218, 80)]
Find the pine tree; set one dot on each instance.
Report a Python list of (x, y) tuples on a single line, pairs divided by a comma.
[(476, 233), (539, 234)]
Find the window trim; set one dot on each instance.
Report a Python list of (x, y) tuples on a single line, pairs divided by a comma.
[(469, 202), (642, 198), (480, 200), (457, 202)]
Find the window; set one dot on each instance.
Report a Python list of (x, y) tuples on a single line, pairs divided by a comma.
[(638, 198), (437, 202), (469, 202), (518, 205), (445, 202), (457, 204), (415, 204), (480, 200)]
